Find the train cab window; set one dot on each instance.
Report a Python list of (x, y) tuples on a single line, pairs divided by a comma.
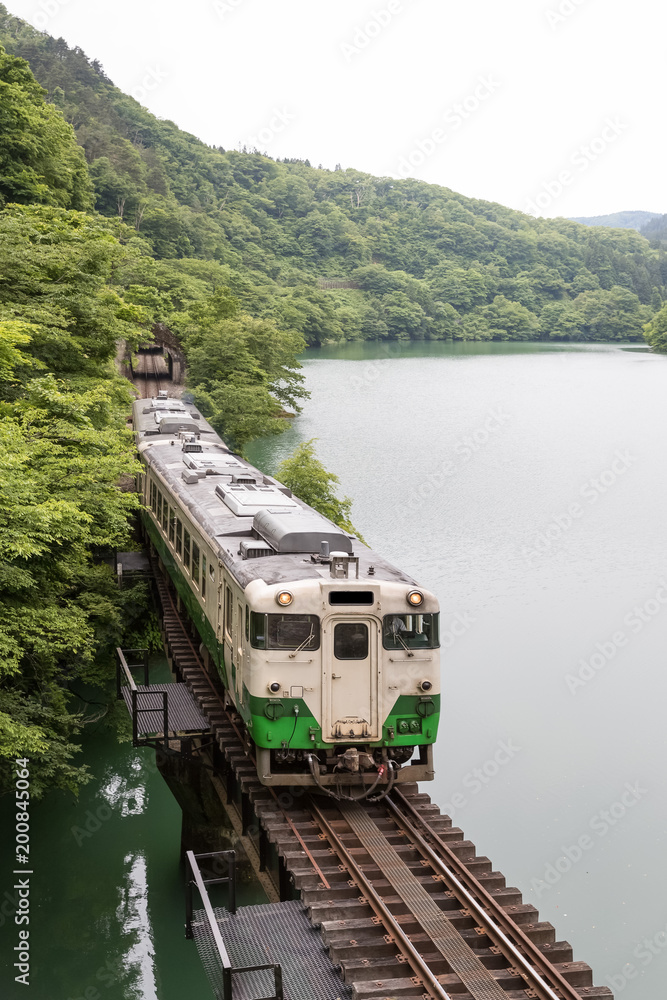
[(172, 524), (293, 632), (351, 641), (195, 564), (179, 538), (410, 632), (186, 549), (203, 576)]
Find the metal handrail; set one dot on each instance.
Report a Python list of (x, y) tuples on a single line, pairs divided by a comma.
[(223, 955), (123, 667)]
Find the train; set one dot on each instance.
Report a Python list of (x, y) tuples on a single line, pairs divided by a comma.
[(328, 654)]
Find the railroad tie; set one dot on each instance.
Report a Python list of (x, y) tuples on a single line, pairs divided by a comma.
[(451, 945)]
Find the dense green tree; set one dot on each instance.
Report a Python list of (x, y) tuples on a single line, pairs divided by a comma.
[(656, 331), (308, 479), (40, 161)]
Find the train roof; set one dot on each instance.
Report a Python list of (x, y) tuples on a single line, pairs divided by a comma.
[(254, 524)]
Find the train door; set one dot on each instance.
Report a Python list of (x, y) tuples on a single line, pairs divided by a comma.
[(351, 688), (239, 651)]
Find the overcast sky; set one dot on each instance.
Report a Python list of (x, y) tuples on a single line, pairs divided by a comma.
[(553, 107)]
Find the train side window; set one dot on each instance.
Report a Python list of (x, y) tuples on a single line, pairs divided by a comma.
[(195, 564), (186, 549), (247, 623), (179, 537), (229, 604), (159, 506), (257, 630), (165, 515), (153, 492), (172, 524), (203, 576)]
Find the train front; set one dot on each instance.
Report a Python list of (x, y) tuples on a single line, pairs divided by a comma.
[(343, 676)]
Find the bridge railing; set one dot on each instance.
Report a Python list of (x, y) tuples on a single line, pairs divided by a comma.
[(196, 879), (143, 702)]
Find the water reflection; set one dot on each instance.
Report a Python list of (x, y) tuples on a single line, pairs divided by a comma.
[(134, 920)]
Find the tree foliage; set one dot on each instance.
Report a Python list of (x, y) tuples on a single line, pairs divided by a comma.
[(63, 450), (40, 161), (305, 475)]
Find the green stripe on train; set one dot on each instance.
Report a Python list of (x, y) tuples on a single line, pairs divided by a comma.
[(272, 723)]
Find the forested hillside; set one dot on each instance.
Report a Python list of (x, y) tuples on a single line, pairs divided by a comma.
[(655, 230), (423, 260)]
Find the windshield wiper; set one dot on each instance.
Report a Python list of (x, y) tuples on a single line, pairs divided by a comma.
[(309, 638), (397, 635)]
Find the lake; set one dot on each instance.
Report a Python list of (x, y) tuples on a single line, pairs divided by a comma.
[(525, 484)]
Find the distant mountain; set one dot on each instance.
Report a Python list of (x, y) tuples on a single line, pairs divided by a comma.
[(618, 220), (655, 229)]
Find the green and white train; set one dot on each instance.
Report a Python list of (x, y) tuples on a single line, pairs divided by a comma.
[(329, 654)]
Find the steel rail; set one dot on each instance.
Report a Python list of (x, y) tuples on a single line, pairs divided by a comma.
[(381, 910), (493, 918)]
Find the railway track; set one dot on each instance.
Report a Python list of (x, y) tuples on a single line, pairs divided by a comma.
[(404, 904), (150, 374)]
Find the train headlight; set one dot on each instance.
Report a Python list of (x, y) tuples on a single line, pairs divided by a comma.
[(275, 687), (426, 685), (415, 598), (284, 598)]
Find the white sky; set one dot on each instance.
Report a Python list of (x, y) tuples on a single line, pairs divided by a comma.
[(544, 88)]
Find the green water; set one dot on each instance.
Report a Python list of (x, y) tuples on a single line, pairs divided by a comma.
[(107, 894)]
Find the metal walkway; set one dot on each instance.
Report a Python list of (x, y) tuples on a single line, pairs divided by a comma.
[(183, 713), (272, 932)]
